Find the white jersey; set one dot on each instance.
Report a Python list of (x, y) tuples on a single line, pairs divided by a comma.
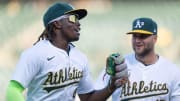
[(156, 82), (50, 74)]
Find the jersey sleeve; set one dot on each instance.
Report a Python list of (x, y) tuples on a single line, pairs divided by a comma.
[(86, 83), (102, 80), (26, 69)]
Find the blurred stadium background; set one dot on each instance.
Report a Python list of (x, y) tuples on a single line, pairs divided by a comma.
[(102, 31)]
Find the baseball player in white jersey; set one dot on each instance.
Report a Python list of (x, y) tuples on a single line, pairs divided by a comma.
[(151, 77), (54, 69)]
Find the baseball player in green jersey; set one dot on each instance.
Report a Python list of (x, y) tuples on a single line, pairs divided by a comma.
[(54, 69), (151, 76)]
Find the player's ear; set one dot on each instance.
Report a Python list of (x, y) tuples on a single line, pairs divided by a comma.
[(155, 38), (57, 24)]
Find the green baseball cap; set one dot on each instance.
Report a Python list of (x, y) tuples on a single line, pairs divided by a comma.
[(58, 9), (144, 26)]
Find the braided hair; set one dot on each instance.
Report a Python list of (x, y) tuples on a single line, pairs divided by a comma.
[(48, 34)]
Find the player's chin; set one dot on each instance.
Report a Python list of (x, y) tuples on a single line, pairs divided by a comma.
[(138, 51), (75, 39), (141, 52)]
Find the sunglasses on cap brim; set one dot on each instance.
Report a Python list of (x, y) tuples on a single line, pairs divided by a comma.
[(72, 18)]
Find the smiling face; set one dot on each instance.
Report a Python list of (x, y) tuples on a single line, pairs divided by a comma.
[(143, 44), (70, 28)]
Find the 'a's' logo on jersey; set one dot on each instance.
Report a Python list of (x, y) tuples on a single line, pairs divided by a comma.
[(50, 58), (138, 90), (139, 24)]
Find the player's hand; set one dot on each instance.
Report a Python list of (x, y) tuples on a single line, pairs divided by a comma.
[(121, 75), (120, 78), (112, 61), (118, 70)]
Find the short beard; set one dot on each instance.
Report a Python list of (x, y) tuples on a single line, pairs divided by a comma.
[(144, 53), (68, 39)]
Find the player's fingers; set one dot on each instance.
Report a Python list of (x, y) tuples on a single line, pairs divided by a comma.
[(121, 67), (120, 82), (121, 74), (119, 60)]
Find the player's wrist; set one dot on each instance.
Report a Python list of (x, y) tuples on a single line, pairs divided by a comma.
[(111, 86)]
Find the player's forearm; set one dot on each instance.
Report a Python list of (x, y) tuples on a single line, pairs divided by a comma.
[(98, 95), (101, 95), (14, 92)]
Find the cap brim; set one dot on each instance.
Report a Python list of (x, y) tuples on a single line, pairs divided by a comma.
[(140, 32), (80, 12)]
